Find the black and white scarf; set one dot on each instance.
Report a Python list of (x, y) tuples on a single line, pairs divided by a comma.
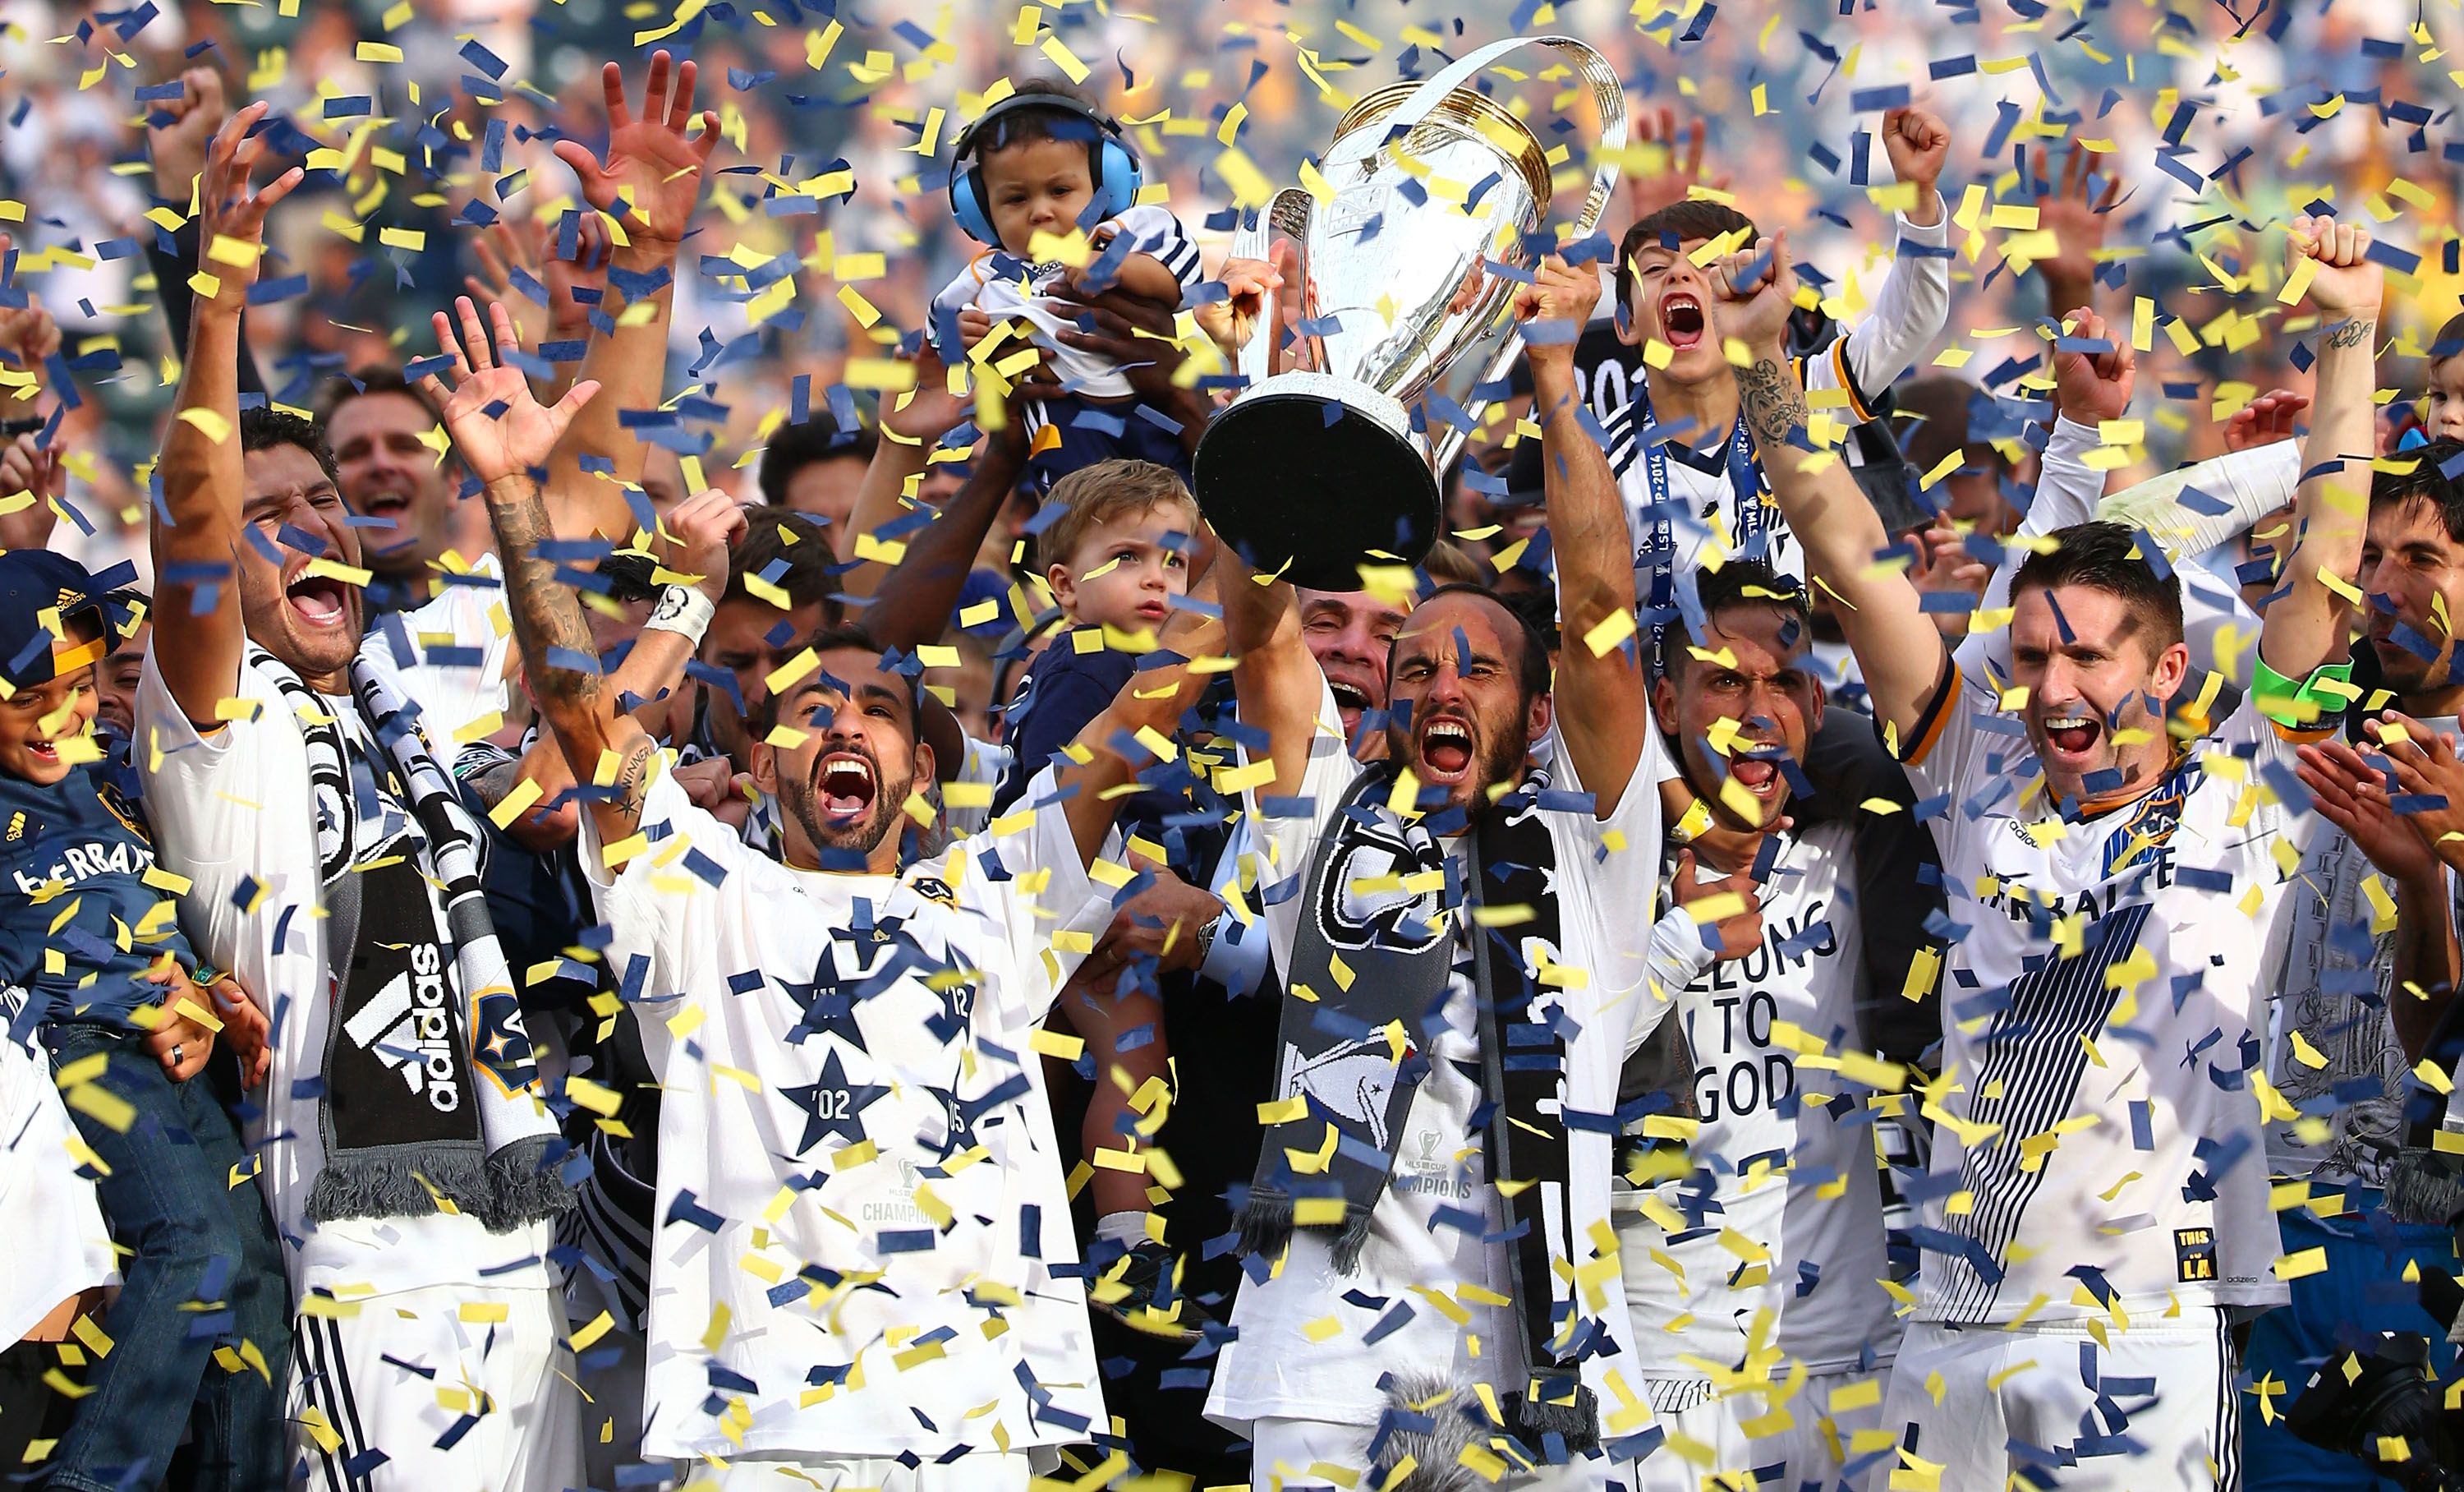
[(1377, 948), (429, 1092)]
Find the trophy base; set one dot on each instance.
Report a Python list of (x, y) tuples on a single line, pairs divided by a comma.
[(1302, 482)]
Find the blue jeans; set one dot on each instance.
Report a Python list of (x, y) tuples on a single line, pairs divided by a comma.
[(2361, 1293), (194, 1237)]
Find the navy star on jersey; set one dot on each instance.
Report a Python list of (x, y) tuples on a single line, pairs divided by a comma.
[(828, 999), (833, 1106)]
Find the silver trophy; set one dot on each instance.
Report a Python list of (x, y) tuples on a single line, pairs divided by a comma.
[(1403, 313)]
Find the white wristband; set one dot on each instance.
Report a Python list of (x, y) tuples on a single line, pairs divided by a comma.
[(682, 610)]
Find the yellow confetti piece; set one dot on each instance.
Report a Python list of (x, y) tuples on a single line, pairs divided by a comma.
[(1062, 57)]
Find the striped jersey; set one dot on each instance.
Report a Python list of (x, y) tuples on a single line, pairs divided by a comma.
[(2097, 1131)]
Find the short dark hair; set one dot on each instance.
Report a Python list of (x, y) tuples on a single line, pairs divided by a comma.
[(363, 383), (1692, 217), (791, 448), (265, 427), (776, 535), (2107, 557), (841, 637), (1107, 492), (1026, 123), (2424, 484), (1531, 656), (2450, 339), (1735, 585)]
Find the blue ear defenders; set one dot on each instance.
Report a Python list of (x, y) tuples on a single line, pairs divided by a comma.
[(1110, 165)]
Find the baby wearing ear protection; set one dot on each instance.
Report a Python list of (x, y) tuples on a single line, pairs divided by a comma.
[(1041, 162)]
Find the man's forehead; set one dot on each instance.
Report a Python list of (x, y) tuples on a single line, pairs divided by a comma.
[(1658, 250), (1759, 638), (2413, 520), (1437, 623), (385, 409), (2069, 615), (1352, 604)]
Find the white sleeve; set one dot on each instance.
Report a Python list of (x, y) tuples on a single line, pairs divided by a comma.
[(203, 793), (2244, 486), (2067, 488), (1153, 232), (1909, 313), (1024, 874), (664, 906), (451, 655), (1287, 840)]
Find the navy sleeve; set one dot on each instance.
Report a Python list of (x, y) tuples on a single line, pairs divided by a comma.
[(1063, 691)]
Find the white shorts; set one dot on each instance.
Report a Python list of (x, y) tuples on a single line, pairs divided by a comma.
[(988, 1471), (2157, 1409), (460, 1407), (1295, 1455), (1823, 1444)]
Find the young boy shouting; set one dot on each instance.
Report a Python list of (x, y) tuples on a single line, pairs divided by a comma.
[(92, 958)]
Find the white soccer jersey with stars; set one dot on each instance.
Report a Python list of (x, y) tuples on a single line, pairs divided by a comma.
[(862, 1225)]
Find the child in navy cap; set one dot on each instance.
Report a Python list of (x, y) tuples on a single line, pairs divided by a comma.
[(92, 958)]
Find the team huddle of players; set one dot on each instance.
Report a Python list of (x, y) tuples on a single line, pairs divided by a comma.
[(1547, 965)]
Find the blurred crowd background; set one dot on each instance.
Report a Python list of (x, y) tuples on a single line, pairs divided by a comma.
[(839, 123)]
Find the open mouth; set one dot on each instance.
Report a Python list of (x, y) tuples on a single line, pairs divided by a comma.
[(1348, 697), (1681, 318), (1759, 773), (1445, 749), (47, 751), (319, 600), (2073, 735), (845, 785)]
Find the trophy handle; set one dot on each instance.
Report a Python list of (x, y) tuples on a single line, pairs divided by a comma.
[(1288, 212), (1608, 93)]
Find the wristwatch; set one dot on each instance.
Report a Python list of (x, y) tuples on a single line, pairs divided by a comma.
[(1206, 941)]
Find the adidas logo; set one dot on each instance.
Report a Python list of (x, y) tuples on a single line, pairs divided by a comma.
[(408, 1028)]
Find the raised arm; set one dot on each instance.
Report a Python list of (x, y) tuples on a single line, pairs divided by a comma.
[(504, 437), (1896, 644), (1274, 674), (2305, 626), (650, 182), (197, 526), (1151, 702), (1602, 711)]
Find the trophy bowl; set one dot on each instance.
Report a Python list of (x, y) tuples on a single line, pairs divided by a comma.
[(1401, 314)]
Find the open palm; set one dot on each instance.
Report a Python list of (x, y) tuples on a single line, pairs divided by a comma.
[(650, 160), (498, 429)]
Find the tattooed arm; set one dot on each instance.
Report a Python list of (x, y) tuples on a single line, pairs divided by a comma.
[(2305, 627), (504, 437), (1896, 644)]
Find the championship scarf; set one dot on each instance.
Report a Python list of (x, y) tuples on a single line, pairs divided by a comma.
[(429, 1086), (1379, 890)]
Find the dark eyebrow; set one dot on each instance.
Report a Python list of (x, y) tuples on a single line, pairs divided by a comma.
[(876, 691)]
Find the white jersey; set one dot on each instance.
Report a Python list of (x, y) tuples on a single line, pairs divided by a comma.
[(1003, 284), (1781, 1224), (2096, 1135), (1430, 1292), (234, 813), (2331, 1046), (1705, 507), (861, 1216), (59, 1245)]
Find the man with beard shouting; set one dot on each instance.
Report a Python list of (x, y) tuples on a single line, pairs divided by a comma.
[(2097, 1220), (1463, 937), (862, 1273)]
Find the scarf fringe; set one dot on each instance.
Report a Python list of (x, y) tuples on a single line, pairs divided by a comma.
[(2423, 1187), (400, 1185), (1437, 1452), (524, 1187), (1265, 1220), (1265, 1226)]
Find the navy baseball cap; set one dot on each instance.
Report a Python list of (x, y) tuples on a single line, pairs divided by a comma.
[(41, 591)]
